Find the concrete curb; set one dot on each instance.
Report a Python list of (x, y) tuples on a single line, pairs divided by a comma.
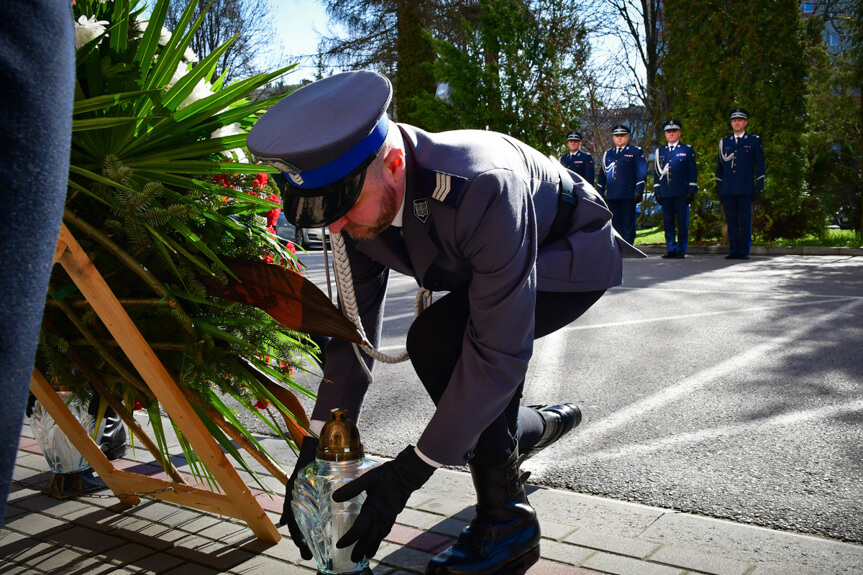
[(760, 250)]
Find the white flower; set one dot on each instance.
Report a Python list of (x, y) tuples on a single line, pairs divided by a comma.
[(190, 56), (202, 90), (229, 130), (86, 30), (164, 37), (182, 70), (237, 154)]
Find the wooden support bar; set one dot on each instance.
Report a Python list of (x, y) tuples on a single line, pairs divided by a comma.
[(238, 500)]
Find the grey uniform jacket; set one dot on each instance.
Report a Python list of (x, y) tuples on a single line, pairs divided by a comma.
[(478, 207)]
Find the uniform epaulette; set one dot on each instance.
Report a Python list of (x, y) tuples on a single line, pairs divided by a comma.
[(445, 188)]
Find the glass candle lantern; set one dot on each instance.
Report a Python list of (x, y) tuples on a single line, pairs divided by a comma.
[(62, 456), (323, 522)]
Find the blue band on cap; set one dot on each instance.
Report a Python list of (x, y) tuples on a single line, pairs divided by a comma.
[(346, 163)]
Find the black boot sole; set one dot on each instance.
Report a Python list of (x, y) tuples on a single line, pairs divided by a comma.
[(518, 566), (524, 562)]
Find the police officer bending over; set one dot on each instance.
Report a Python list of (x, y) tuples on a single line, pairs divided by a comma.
[(740, 181), (675, 182), (471, 212), (621, 181), (578, 160)]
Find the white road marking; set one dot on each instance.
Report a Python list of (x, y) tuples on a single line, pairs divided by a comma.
[(548, 358), (695, 315), (716, 373), (735, 292), (759, 426)]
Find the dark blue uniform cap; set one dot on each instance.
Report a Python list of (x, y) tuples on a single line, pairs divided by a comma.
[(739, 113), (672, 124), (574, 135), (323, 137), (620, 130)]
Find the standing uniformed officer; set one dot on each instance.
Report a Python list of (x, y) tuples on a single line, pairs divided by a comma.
[(577, 160), (740, 178), (501, 227), (675, 182), (621, 180)]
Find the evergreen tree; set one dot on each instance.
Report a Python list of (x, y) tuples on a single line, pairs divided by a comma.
[(831, 136), (372, 27), (728, 53), (518, 73), (414, 77)]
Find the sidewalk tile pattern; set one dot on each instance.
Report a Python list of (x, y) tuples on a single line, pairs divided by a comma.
[(582, 534)]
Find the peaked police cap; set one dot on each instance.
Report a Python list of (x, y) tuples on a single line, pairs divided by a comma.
[(739, 113), (620, 130), (672, 124), (322, 138), (574, 136)]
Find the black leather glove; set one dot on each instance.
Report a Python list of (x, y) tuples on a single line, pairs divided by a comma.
[(756, 194), (690, 197), (307, 455), (658, 196), (639, 196), (387, 488)]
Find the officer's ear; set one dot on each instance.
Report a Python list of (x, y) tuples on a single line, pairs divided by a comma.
[(394, 165)]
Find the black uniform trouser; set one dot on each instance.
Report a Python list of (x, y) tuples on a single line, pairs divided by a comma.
[(623, 218), (675, 213), (435, 345), (738, 216)]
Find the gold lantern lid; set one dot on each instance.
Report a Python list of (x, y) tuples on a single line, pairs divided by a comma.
[(340, 439)]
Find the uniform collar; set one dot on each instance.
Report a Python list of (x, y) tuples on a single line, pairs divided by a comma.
[(400, 216), (417, 233)]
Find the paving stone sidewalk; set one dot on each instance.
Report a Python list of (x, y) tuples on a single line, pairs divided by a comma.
[(582, 534)]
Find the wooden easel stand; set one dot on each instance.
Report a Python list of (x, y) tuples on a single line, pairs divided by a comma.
[(237, 500)]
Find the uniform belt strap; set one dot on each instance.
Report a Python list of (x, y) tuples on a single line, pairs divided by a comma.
[(566, 202)]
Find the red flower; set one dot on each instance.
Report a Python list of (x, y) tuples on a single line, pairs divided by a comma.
[(291, 247), (138, 406), (222, 180), (268, 258), (260, 181), (273, 215), (261, 404)]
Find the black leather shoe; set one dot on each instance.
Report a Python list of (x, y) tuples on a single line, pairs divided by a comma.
[(669, 255), (504, 536), (113, 441), (680, 256), (559, 420), (732, 257)]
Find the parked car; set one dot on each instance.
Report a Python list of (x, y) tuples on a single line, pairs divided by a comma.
[(306, 238)]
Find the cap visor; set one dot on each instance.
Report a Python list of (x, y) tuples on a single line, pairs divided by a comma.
[(319, 207)]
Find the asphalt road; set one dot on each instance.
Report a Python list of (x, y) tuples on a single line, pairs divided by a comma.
[(726, 388)]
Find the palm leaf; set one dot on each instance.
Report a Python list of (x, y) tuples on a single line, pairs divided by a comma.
[(101, 103)]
